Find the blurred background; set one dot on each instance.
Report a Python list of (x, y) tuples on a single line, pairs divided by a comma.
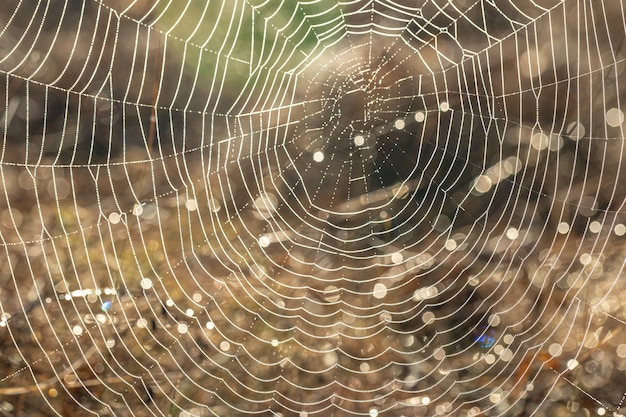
[(312, 208)]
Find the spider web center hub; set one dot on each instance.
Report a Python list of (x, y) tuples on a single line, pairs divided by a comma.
[(358, 135)]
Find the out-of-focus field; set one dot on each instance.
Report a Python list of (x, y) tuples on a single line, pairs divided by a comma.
[(131, 281)]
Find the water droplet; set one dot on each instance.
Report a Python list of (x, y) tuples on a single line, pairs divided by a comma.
[(444, 106), (264, 241), (451, 244), (318, 156), (540, 141), (115, 218), (265, 205), (555, 349), (563, 228), (473, 412), (495, 397), (512, 165), (399, 124), (419, 117), (512, 233), (575, 131), (138, 209), (214, 205), (396, 258), (428, 317), (146, 283), (5, 317), (106, 306), (380, 291), (556, 142), (588, 206), (359, 140), (614, 117), (331, 293), (330, 359), (595, 227), (572, 364), (191, 204), (482, 184), (425, 293), (439, 354), (585, 259), (506, 355)]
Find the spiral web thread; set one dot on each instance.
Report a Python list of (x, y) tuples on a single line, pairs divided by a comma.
[(312, 208)]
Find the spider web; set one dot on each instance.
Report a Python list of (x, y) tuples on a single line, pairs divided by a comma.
[(312, 208)]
